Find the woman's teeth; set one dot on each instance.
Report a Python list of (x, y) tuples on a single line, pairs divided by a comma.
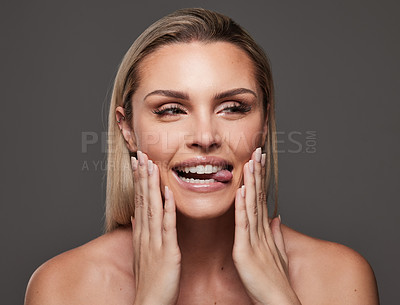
[(191, 174), (200, 169), (201, 181)]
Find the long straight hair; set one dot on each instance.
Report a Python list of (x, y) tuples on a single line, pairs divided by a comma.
[(182, 26)]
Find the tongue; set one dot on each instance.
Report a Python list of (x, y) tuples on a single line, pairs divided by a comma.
[(222, 176)]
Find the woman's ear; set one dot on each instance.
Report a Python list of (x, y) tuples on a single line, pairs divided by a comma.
[(125, 129), (265, 128)]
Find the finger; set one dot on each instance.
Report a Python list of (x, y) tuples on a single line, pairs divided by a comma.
[(133, 223), (155, 206), (250, 199), (143, 196), (135, 247), (242, 232), (135, 173), (136, 223), (279, 241), (169, 236), (259, 191), (265, 204), (263, 159)]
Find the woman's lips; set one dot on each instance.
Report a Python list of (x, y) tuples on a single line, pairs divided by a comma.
[(203, 173), (203, 160), (222, 175), (200, 187)]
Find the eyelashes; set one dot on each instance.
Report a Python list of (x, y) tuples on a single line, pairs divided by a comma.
[(239, 107), (169, 110), (176, 109)]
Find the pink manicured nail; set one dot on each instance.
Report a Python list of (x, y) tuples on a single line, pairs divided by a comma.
[(166, 193), (258, 155), (134, 163), (251, 166), (263, 158), (150, 166), (242, 190), (140, 158)]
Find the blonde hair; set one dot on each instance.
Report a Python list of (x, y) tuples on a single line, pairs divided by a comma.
[(182, 26)]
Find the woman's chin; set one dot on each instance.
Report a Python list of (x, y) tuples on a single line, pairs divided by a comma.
[(202, 203), (202, 209)]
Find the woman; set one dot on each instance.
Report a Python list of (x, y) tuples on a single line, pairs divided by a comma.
[(191, 109)]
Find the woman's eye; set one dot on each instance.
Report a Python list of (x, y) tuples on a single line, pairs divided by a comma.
[(236, 108), (169, 110)]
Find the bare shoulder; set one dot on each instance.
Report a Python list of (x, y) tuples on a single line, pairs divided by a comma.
[(98, 272), (324, 272)]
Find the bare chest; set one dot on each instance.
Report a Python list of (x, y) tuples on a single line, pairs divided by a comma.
[(125, 294), (218, 292), (211, 299)]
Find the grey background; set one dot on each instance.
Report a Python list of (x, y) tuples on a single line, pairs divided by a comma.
[(336, 69)]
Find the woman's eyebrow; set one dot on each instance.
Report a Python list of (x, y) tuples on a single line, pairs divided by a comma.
[(169, 93), (184, 96), (233, 92)]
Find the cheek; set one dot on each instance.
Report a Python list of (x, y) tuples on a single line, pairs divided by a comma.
[(243, 139), (159, 142)]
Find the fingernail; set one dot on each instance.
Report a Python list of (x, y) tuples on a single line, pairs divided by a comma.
[(134, 163), (280, 219), (166, 193), (263, 158), (150, 166), (251, 166), (242, 190), (258, 154), (140, 158)]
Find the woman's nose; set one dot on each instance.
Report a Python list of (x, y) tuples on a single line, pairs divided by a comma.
[(204, 134)]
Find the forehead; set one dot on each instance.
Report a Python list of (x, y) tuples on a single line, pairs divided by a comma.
[(197, 65)]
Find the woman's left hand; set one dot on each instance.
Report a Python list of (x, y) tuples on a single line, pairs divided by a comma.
[(259, 250)]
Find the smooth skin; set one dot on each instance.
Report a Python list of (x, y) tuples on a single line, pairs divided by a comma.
[(190, 248), (157, 258), (259, 257)]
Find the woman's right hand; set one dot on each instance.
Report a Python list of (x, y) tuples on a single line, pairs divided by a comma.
[(156, 254)]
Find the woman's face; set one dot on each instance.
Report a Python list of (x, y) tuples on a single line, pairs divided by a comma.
[(198, 114)]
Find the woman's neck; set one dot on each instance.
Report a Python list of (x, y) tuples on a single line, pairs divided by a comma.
[(206, 245)]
